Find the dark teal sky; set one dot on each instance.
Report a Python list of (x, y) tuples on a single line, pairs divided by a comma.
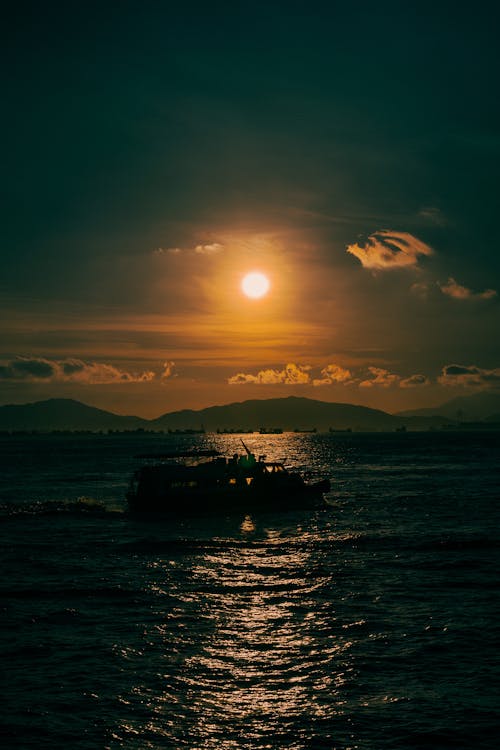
[(280, 132)]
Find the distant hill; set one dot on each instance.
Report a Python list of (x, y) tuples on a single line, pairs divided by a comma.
[(477, 406), (64, 414), (286, 413)]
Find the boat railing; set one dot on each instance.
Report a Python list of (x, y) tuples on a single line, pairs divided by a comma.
[(178, 454)]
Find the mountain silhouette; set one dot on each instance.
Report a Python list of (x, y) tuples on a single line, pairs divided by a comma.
[(476, 406), (286, 413), (64, 414)]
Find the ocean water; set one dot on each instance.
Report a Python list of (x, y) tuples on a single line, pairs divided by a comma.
[(370, 625)]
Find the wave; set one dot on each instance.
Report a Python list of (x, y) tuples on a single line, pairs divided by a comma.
[(82, 506), (63, 593)]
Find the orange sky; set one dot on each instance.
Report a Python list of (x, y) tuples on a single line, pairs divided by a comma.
[(188, 337)]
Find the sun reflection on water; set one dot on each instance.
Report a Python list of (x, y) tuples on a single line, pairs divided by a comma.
[(248, 525), (244, 646)]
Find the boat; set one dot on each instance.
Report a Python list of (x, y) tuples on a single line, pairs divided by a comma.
[(208, 482), (234, 431), (187, 431)]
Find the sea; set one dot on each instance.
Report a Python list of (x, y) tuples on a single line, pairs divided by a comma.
[(372, 624)]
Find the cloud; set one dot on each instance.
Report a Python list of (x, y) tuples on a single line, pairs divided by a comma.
[(167, 251), (23, 368), (211, 248), (469, 376), (420, 289), (414, 381), (386, 250), (433, 215), (168, 368), (291, 374), (94, 373), (381, 377), (457, 291), (333, 374), (385, 379), (69, 370)]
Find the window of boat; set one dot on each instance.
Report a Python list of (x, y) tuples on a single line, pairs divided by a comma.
[(249, 480), (273, 468)]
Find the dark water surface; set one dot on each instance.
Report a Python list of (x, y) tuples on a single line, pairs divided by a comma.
[(371, 625)]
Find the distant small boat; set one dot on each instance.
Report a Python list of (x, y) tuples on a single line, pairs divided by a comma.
[(207, 482), (187, 431), (234, 431)]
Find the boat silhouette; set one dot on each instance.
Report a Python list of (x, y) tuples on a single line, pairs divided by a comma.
[(207, 481)]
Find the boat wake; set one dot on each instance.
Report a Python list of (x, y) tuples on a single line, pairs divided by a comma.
[(83, 506)]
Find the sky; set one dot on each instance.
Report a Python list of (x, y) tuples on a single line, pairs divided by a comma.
[(155, 153)]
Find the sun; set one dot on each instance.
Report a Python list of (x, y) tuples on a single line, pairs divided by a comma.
[(255, 285)]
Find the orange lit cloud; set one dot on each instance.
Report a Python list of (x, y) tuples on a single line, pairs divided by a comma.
[(414, 381), (469, 376), (385, 379), (211, 248), (386, 250), (291, 374), (381, 377), (168, 370), (457, 291), (420, 289), (333, 374), (69, 370)]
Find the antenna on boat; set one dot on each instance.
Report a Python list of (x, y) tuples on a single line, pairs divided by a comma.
[(249, 452)]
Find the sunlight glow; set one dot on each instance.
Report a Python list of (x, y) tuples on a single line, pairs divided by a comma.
[(255, 285)]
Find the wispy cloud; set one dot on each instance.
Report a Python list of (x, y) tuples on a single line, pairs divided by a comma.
[(433, 215), (291, 374), (167, 251), (420, 289), (386, 250), (333, 374), (414, 381), (39, 369), (210, 248), (455, 290), (381, 377), (168, 370), (469, 376)]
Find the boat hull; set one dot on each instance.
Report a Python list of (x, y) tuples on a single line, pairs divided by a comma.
[(230, 498)]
